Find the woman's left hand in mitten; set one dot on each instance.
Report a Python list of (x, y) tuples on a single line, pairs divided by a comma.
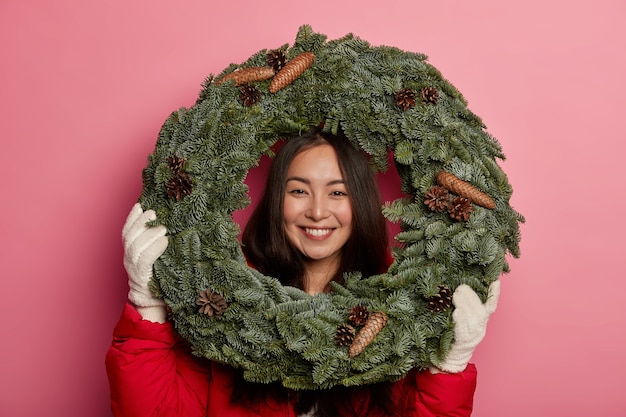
[(470, 318)]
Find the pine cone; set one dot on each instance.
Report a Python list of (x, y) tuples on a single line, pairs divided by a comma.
[(210, 303), (367, 334), (248, 75), (175, 163), (291, 71), (249, 95), (276, 59), (437, 199), (344, 335), (358, 315), (430, 95), (405, 98), (442, 300), (179, 185), (460, 209), (465, 189)]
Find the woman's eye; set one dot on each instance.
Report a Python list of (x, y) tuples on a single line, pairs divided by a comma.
[(338, 193), (296, 191)]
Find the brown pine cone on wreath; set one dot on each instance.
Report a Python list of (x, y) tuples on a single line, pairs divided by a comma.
[(437, 199), (430, 95), (375, 323), (247, 75), (291, 71), (249, 95), (465, 189), (276, 59), (405, 98), (179, 185), (210, 303), (442, 300), (344, 335), (176, 163), (460, 209), (358, 315)]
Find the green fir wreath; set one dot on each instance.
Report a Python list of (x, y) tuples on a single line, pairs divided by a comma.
[(456, 223)]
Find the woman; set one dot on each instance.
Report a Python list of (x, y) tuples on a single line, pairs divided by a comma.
[(307, 230), (319, 218)]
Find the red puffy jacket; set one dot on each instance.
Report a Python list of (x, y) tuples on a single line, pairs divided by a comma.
[(153, 373)]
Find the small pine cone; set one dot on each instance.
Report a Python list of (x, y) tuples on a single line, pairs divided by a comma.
[(179, 185), (210, 303), (175, 163), (430, 95), (405, 98), (460, 209), (344, 335), (249, 95), (465, 189), (276, 59), (437, 199), (291, 71), (442, 300), (367, 334), (248, 75), (358, 315)]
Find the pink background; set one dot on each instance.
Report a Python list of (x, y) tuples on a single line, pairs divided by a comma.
[(85, 86)]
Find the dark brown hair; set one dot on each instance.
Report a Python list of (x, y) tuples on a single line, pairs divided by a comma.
[(265, 242), (267, 248)]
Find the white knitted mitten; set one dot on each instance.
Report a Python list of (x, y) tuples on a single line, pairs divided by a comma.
[(470, 325), (142, 246)]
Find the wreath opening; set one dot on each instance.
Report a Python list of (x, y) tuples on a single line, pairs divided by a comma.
[(456, 223)]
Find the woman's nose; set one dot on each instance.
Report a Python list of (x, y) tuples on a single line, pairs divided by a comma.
[(318, 209)]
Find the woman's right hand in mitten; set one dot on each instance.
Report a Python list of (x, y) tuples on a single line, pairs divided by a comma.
[(143, 244)]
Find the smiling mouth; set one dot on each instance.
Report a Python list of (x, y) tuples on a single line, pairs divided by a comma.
[(318, 232)]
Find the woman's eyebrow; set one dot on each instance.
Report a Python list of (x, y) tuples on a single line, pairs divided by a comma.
[(306, 181), (300, 179)]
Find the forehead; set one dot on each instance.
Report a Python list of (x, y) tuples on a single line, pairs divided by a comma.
[(320, 159)]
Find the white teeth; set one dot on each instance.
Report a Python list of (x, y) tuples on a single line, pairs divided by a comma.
[(318, 232)]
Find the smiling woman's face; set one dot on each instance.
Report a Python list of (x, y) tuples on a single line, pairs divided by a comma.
[(317, 210)]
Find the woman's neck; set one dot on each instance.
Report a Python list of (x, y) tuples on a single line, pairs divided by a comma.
[(319, 274)]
